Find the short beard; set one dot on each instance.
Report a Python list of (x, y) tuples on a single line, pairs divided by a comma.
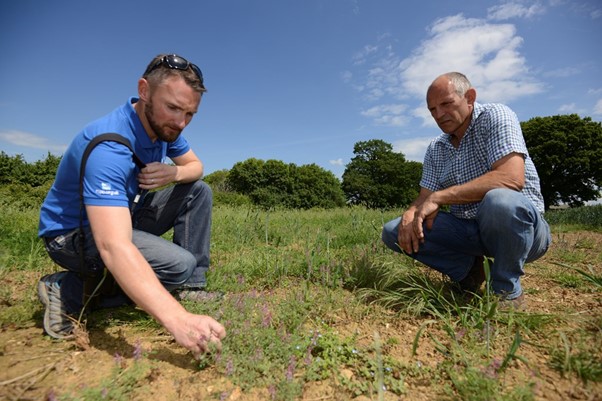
[(150, 117)]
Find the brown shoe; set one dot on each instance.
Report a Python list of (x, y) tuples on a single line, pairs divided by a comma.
[(516, 304), (475, 277)]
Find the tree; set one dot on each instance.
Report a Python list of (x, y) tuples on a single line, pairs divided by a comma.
[(377, 177), (217, 180), (274, 183), (15, 170), (316, 187), (567, 152)]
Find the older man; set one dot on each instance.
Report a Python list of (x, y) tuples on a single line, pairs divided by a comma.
[(481, 169)]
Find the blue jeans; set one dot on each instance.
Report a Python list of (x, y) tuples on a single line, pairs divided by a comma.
[(179, 264), (507, 228)]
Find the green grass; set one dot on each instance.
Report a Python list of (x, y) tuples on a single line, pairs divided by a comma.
[(299, 286), (588, 218)]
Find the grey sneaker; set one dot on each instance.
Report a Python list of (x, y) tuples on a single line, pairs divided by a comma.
[(57, 323), (198, 295)]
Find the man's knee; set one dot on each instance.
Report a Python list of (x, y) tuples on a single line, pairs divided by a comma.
[(389, 234), (180, 271), (501, 203), (201, 187)]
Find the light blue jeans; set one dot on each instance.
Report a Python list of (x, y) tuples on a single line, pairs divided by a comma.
[(507, 228), (179, 264)]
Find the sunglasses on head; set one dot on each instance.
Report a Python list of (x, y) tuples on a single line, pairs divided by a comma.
[(175, 62)]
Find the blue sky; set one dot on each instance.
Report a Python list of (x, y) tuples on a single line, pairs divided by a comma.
[(298, 81)]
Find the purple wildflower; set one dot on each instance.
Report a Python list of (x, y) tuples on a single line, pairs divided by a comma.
[(272, 391), (51, 396), (266, 321), (290, 371), (492, 369), (137, 350), (229, 367)]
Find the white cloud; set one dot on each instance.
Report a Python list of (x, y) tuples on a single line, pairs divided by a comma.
[(598, 108), (413, 149), (487, 53), (514, 10), (360, 57), (594, 91), (336, 162), (424, 114), (28, 140), (346, 76), (387, 114), (563, 72), (571, 108)]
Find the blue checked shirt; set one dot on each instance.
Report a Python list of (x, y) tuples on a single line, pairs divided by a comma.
[(493, 133)]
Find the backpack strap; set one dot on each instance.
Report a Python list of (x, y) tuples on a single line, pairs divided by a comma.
[(91, 145)]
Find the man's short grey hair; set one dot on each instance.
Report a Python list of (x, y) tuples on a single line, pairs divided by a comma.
[(459, 81)]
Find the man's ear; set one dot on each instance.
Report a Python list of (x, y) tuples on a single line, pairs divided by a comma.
[(471, 95), (143, 89)]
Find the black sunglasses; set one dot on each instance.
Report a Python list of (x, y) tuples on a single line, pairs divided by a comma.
[(175, 62)]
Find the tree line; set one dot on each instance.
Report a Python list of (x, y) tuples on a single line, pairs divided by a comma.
[(566, 150)]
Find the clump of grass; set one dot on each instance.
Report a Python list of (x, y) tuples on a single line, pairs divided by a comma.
[(582, 360)]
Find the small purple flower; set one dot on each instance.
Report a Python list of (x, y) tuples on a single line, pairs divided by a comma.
[(272, 391), (51, 396), (492, 369), (308, 358), (229, 367), (137, 351), (266, 321), (290, 371)]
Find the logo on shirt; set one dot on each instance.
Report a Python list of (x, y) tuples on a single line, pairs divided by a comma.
[(105, 189)]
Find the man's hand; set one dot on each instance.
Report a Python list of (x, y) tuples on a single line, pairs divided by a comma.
[(406, 238), (156, 175), (422, 209), (198, 333), (425, 213)]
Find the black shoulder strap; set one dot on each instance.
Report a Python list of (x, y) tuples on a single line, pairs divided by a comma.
[(103, 138), (82, 169)]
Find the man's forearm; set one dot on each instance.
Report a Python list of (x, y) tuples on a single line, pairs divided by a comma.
[(137, 279), (189, 172), (474, 191)]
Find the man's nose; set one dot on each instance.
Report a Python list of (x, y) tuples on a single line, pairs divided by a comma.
[(181, 120)]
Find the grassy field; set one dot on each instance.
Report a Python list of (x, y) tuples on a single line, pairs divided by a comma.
[(317, 309)]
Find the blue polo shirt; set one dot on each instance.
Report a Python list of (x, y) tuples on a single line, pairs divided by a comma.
[(111, 174)]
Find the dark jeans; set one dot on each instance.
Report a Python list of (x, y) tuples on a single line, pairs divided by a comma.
[(179, 264), (507, 227)]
